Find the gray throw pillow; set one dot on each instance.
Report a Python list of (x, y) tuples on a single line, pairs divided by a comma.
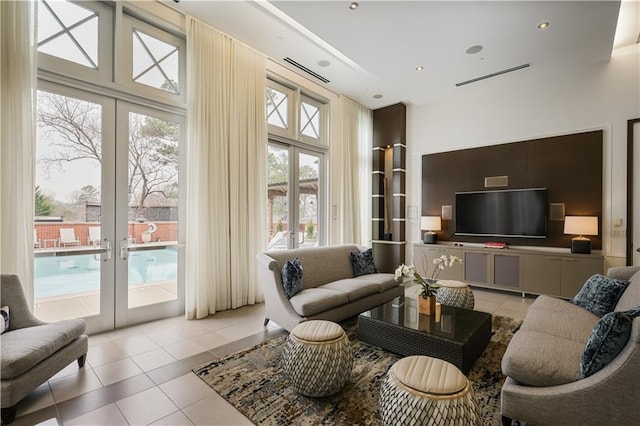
[(608, 338), (600, 294), (292, 277), (362, 263)]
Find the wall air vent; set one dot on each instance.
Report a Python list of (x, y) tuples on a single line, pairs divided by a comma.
[(496, 181), (305, 69), (493, 74)]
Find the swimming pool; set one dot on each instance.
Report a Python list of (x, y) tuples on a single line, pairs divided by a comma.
[(57, 276)]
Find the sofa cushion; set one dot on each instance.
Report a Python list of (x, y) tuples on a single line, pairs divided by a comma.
[(538, 359), (292, 277), (631, 296), (25, 347), (354, 288), (312, 301), (559, 318), (362, 263), (322, 265), (385, 281), (4, 321), (608, 338), (600, 294)]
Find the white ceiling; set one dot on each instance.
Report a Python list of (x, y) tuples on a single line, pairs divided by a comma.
[(375, 49)]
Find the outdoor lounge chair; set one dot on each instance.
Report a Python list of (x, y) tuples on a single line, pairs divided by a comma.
[(68, 237), (36, 240), (94, 236)]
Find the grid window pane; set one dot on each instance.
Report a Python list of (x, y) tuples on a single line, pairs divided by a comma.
[(309, 120), (155, 62), (68, 31), (277, 104)]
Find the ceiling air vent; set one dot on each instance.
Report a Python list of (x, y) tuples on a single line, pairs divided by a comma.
[(493, 74), (305, 69)]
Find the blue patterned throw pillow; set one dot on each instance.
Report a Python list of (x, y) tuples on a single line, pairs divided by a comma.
[(600, 294), (292, 277), (4, 321), (608, 338), (362, 263)]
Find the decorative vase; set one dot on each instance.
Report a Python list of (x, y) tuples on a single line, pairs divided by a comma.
[(427, 305)]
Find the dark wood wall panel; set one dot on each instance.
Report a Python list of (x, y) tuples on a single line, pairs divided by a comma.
[(569, 166)]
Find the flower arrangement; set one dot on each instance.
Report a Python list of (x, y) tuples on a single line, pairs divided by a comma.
[(428, 286)]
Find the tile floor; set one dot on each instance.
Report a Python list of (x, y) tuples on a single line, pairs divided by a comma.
[(141, 375)]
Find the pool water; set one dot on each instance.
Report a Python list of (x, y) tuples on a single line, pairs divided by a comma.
[(57, 276)]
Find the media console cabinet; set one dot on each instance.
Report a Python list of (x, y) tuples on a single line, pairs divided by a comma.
[(537, 271)]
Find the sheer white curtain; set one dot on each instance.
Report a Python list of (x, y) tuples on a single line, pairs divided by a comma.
[(226, 171), (17, 90), (350, 171)]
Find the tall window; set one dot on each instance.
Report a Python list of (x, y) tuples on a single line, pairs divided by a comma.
[(107, 228)]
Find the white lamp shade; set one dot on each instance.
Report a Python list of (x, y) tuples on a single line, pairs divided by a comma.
[(430, 223), (581, 225)]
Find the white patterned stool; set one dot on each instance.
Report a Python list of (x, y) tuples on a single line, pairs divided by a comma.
[(317, 358), (420, 390), (455, 293)]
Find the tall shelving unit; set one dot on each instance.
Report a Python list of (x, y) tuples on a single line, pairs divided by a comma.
[(388, 195)]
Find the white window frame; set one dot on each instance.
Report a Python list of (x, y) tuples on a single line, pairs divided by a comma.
[(124, 64), (290, 131), (103, 73), (322, 121)]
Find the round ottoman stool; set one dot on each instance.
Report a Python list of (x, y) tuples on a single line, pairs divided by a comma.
[(455, 293), (420, 390), (317, 358)]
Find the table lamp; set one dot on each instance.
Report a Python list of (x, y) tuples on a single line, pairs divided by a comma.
[(430, 224), (581, 225)]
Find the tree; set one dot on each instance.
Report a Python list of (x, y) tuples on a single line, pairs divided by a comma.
[(44, 206), (75, 127)]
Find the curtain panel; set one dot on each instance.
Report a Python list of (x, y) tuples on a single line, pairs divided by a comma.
[(226, 171), (17, 140), (350, 171)]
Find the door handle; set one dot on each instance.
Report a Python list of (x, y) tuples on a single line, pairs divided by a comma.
[(123, 249), (109, 249)]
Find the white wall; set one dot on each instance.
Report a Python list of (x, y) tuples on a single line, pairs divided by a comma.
[(521, 106)]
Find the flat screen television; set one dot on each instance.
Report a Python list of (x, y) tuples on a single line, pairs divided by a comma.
[(502, 213)]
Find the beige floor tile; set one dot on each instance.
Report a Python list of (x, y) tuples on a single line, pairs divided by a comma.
[(176, 419), (186, 390), (242, 329), (64, 388), (105, 353), (211, 340), (184, 349), (137, 344), (521, 303), (40, 398), (62, 309), (107, 415), (117, 371), (153, 359), (72, 368), (215, 407), (146, 407), (98, 339), (491, 296), (143, 296)]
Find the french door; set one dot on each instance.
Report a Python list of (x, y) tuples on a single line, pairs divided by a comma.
[(106, 231), (296, 212)]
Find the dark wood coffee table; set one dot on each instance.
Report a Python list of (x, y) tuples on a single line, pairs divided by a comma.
[(459, 337)]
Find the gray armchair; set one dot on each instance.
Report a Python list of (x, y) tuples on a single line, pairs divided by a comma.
[(32, 351)]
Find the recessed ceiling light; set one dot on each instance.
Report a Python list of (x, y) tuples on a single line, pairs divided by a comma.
[(324, 63), (419, 68), (543, 25), (354, 6), (474, 49), (377, 96)]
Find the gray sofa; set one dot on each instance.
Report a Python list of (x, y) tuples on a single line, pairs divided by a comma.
[(331, 292), (32, 350), (542, 364)]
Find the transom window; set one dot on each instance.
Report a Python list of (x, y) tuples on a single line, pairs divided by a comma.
[(277, 108), (155, 62), (309, 120), (68, 31)]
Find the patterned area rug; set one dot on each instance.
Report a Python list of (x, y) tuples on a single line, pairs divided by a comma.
[(253, 381)]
